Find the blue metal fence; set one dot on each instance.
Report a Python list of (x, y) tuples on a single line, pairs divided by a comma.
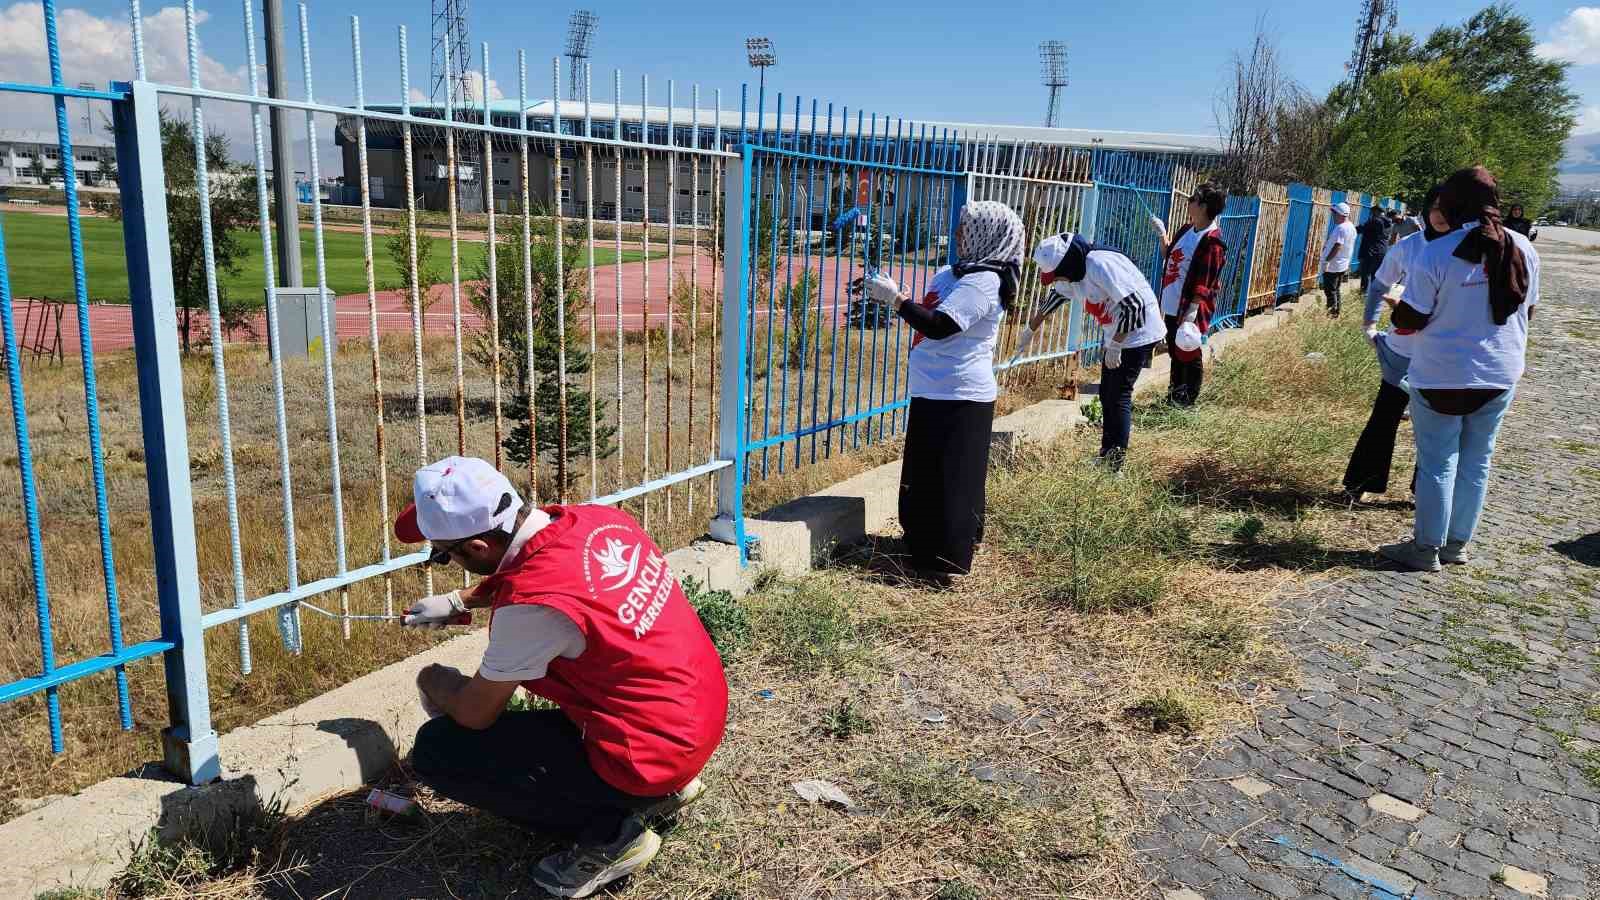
[(811, 202)]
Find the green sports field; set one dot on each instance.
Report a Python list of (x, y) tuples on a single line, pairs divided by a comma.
[(41, 266)]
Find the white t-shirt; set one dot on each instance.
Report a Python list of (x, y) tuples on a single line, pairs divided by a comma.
[(960, 367), (1115, 292), (1343, 234), (1177, 270), (1396, 263), (526, 637), (1461, 346)]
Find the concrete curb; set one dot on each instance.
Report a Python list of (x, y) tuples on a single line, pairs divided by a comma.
[(344, 738)]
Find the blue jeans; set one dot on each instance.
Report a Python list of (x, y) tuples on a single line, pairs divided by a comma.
[(1453, 455)]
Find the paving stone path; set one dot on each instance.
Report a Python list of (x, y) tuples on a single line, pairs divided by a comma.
[(1445, 738)]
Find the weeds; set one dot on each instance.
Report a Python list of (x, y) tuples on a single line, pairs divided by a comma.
[(1095, 542), (939, 791), (725, 620), (845, 721), (807, 626), (1169, 710), (234, 847)]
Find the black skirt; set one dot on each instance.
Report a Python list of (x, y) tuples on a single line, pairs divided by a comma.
[(942, 482)]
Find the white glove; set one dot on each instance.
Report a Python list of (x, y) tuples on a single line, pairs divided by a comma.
[(1113, 356), (435, 612), (1022, 343), (1193, 315), (882, 289), (1372, 332), (1161, 227)]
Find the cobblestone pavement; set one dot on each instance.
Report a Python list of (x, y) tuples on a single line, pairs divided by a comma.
[(1445, 738)]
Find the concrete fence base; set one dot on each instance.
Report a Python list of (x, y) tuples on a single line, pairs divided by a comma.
[(345, 738)]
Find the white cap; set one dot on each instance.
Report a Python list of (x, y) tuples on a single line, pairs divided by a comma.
[(457, 497), (1051, 251), (1342, 209)]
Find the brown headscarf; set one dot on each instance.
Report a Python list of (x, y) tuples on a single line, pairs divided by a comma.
[(1473, 194)]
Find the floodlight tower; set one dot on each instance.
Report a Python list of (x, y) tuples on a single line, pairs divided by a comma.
[(761, 56), (1053, 75), (452, 54), (580, 36)]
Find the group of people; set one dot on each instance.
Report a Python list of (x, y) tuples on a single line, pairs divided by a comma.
[(956, 325), (586, 613), (1462, 291)]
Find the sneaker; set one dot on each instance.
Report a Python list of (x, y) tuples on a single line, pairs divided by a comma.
[(1412, 555), (581, 871), (1454, 553), (672, 804)]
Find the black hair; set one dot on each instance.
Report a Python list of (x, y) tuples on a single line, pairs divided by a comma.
[(1210, 197)]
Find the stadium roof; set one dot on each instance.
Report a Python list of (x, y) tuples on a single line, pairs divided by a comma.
[(730, 119)]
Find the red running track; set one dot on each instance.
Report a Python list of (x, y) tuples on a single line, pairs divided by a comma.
[(111, 325)]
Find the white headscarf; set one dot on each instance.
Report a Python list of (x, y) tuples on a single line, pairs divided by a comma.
[(991, 238)]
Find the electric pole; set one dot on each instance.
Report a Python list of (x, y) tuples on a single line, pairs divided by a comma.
[(286, 218)]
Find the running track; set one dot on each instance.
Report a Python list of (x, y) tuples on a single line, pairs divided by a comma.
[(111, 325)]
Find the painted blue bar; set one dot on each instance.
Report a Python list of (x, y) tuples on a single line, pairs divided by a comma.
[(30, 497), (311, 589), (23, 687), (91, 391), (189, 744), (60, 90), (814, 284), (853, 418)]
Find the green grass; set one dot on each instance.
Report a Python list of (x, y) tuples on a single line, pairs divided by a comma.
[(41, 266)]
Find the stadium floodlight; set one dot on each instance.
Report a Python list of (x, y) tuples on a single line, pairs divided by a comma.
[(761, 54)]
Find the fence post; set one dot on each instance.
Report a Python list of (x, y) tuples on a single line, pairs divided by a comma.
[(958, 199), (189, 745), (732, 415)]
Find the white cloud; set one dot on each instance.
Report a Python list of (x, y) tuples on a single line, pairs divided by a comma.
[(100, 50), (1576, 38), (1588, 120), (474, 83)]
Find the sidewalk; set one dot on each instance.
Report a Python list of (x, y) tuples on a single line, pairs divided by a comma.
[(1445, 738)]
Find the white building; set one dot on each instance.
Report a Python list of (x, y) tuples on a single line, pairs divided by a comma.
[(33, 158)]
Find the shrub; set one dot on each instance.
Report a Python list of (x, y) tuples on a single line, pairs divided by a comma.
[(724, 619)]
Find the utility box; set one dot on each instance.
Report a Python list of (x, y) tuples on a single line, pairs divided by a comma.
[(300, 321)]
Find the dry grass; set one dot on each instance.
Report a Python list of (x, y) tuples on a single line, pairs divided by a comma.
[(95, 746), (1005, 737)]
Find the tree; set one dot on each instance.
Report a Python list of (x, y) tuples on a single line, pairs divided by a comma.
[(36, 168), (1416, 123), (1513, 105), (427, 276), (232, 191), (1246, 114), (543, 384)]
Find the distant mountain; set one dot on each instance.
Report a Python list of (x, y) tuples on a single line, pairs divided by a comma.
[(1580, 166)]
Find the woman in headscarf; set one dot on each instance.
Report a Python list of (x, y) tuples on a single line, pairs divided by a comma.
[(1373, 456), (952, 386), (1116, 294), (1470, 297), (1191, 276)]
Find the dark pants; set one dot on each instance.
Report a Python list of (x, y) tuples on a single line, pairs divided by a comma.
[(528, 767), (1332, 284), (942, 482), (1116, 402), (1184, 387), (1374, 453)]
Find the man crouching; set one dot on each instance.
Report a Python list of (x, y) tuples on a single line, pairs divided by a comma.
[(586, 615)]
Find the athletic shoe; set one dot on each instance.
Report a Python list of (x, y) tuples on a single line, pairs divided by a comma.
[(1412, 555), (1454, 553), (672, 804), (581, 871)]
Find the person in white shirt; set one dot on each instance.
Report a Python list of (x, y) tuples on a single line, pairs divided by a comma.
[(1116, 294), (1370, 462), (1337, 251), (952, 386), (1471, 296)]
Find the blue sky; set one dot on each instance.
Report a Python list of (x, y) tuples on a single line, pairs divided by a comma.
[(1133, 65)]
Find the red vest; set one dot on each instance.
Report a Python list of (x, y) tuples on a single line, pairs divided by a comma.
[(648, 692)]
